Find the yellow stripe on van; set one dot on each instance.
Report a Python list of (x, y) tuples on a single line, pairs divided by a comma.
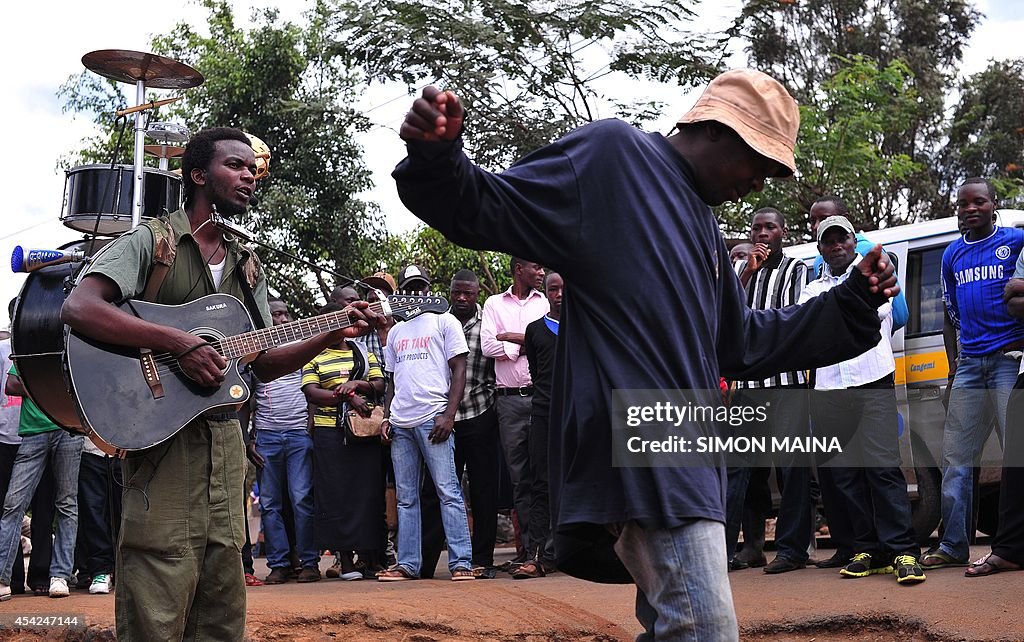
[(927, 366)]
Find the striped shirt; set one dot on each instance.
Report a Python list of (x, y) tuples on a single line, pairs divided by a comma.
[(330, 369), (775, 286), (479, 395)]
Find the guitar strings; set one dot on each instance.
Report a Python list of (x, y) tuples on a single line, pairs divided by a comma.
[(168, 362)]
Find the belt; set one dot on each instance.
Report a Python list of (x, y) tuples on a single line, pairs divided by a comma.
[(219, 416), (1016, 346), (524, 391)]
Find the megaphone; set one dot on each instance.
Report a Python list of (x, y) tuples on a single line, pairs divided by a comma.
[(28, 260)]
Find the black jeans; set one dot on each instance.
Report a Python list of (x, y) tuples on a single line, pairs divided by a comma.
[(476, 452), (787, 418), (99, 512), (1009, 540), (541, 544), (867, 475)]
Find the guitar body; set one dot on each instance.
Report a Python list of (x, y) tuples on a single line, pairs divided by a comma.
[(113, 395)]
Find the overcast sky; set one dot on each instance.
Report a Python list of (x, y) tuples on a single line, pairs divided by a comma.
[(42, 45)]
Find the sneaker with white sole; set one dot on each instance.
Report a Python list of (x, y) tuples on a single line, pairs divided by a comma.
[(100, 584), (5, 592), (59, 587)]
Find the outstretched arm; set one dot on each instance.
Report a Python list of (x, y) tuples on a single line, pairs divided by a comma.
[(832, 327)]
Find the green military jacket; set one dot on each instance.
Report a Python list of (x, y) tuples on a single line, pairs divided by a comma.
[(129, 260)]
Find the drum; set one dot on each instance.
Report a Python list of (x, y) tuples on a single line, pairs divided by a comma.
[(37, 336), (98, 198)]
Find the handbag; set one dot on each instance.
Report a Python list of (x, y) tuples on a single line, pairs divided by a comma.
[(360, 427), (357, 427)]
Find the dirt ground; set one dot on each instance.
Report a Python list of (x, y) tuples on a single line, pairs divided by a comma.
[(802, 606)]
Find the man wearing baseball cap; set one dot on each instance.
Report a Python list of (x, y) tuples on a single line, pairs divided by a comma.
[(855, 402), (605, 195), (413, 279)]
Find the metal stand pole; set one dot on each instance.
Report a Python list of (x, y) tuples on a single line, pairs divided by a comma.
[(140, 141)]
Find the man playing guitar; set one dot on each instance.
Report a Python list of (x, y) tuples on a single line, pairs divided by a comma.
[(179, 570)]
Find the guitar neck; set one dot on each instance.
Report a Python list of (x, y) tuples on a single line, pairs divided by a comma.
[(240, 345)]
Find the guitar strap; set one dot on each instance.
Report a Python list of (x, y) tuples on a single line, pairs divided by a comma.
[(250, 300)]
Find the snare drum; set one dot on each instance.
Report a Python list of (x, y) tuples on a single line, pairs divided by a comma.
[(98, 198)]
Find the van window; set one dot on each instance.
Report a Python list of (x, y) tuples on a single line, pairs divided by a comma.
[(924, 291)]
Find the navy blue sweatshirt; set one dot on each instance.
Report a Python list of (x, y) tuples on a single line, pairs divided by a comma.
[(651, 303)]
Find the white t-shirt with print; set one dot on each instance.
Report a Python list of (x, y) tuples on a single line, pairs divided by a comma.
[(417, 355)]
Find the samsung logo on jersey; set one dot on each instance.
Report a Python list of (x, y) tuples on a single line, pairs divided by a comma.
[(980, 273)]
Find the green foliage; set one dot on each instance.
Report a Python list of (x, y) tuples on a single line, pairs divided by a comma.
[(426, 247), (279, 82), (92, 94), (986, 137), (805, 43), (841, 150), (527, 71)]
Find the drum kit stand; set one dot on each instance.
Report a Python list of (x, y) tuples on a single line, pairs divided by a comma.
[(102, 200)]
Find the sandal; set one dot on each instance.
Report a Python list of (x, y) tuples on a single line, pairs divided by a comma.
[(990, 565), (485, 572), (462, 574), (938, 558), (395, 574), (252, 580), (528, 570)]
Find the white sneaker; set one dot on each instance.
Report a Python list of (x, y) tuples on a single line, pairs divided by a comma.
[(59, 587), (100, 584), (352, 576), (5, 592)]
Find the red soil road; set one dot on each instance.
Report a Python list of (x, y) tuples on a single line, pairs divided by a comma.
[(800, 606)]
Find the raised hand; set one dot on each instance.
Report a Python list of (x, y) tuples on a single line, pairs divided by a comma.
[(880, 273), (435, 115)]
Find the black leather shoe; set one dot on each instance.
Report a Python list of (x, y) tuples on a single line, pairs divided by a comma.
[(838, 560), (737, 565), (783, 565), (278, 576)]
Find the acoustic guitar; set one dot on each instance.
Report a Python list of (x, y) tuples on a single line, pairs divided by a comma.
[(130, 399)]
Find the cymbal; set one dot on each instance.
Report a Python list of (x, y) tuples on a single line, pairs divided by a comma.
[(165, 151), (128, 66)]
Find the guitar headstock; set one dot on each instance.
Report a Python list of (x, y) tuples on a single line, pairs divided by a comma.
[(409, 306)]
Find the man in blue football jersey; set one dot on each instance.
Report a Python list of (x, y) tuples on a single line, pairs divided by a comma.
[(975, 269)]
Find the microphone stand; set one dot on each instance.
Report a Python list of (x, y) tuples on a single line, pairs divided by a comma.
[(228, 227)]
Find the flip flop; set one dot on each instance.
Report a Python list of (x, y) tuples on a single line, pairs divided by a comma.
[(990, 565), (939, 559)]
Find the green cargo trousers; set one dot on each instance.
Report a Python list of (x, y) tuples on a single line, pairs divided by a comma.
[(179, 558)]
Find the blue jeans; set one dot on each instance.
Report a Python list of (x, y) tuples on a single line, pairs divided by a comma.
[(981, 383), (288, 468), (682, 588), (410, 449), (65, 450)]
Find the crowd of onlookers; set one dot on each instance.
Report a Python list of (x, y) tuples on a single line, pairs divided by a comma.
[(399, 422), (862, 490)]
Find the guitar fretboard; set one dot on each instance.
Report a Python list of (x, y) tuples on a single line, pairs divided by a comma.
[(267, 338)]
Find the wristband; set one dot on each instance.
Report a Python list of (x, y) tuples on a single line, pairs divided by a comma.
[(195, 347)]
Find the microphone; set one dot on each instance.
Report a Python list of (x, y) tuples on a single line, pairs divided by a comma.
[(29, 260), (253, 201)]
